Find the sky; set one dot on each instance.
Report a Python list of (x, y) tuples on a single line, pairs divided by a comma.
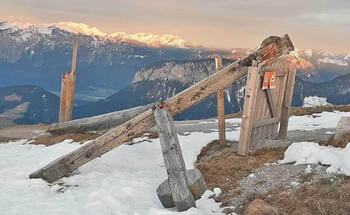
[(316, 24)]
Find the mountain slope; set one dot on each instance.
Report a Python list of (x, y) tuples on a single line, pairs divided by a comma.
[(27, 105), (39, 54), (162, 80)]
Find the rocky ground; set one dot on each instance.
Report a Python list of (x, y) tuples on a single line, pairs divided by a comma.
[(257, 184)]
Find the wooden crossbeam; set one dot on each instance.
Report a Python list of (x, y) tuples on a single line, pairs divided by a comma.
[(264, 122), (144, 121)]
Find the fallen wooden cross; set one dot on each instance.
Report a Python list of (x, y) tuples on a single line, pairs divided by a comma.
[(176, 189), (272, 47), (100, 122), (266, 108)]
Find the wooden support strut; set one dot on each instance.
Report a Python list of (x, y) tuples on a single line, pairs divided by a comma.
[(271, 48), (220, 105), (286, 104), (173, 160)]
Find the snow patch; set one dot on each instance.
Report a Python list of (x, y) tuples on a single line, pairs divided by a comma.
[(123, 181), (338, 159)]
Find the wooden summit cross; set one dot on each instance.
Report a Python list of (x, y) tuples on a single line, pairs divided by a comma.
[(265, 109), (270, 49), (67, 88)]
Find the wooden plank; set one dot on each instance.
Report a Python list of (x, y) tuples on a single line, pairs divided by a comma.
[(251, 92), (286, 104), (173, 160), (270, 102), (185, 99), (220, 105), (265, 122), (97, 123)]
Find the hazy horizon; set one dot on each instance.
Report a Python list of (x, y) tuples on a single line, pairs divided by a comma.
[(224, 24)]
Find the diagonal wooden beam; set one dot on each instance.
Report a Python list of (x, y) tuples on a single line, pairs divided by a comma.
[(270, 102), (271, 48)]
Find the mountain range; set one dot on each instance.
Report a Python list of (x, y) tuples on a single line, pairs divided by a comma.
[(120, 70), (40, 54)]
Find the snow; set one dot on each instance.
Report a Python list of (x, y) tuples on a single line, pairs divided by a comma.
[(217, 191), (338, 159), (313, 101), (27, 30), (316, 121), (123, 181), (328, 60)]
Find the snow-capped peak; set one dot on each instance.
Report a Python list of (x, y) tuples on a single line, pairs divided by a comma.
[(79, 28), (148, 39)]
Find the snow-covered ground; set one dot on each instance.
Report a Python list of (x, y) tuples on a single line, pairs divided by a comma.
[(123, 181), (338, 159)]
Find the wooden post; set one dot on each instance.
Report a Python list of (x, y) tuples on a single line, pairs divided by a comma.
[(220, 105), (67, 89), (288, 94), (174, 162), (251, 91)]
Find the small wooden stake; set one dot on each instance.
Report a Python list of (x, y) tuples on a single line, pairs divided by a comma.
[(67, 89), (220, 105), (174, 162)]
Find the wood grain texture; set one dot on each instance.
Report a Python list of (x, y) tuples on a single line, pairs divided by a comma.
[(251, 91), (97, 123), (173, 160), (220, 105), (286, 104), (67, 88)]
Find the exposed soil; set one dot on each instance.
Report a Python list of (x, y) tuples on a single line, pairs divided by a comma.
[(322, 196), (286, 189), (224, 170)]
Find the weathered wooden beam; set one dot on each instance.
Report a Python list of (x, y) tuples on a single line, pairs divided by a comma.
[(100, 122), (220, 105), (270, 102), (173, 160), (287, 100), (144, 121), (67, 89), (251, 92)]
